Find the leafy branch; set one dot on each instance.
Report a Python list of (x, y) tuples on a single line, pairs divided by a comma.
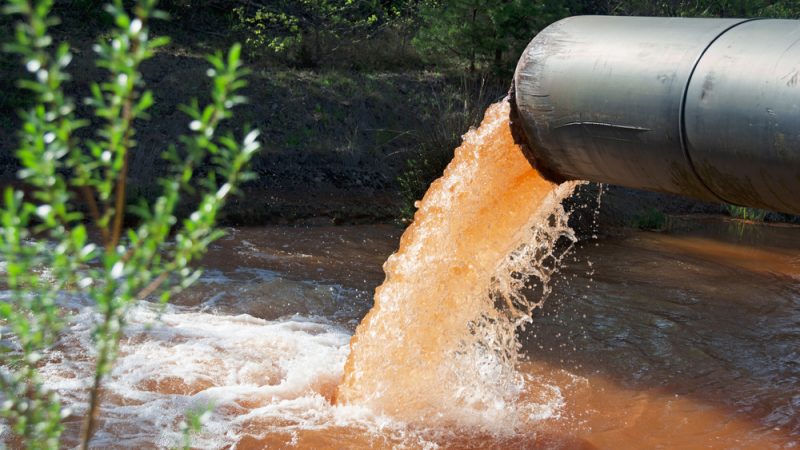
[(44, 240)]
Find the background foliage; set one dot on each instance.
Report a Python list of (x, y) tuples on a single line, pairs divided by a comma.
[(479, 35)]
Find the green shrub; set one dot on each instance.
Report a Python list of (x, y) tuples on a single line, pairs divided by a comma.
[(316, 33), (67, 177), (650, 219), (745, 213)]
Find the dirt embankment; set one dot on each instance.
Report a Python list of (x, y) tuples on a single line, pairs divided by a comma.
[(334, 141)]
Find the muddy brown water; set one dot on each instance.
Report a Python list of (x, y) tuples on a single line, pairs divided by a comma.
[(683, 339)]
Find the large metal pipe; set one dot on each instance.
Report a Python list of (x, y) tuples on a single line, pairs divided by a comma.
[(708, 108)]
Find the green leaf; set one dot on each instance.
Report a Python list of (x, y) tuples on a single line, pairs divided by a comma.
[(234, 55), (144, 103)]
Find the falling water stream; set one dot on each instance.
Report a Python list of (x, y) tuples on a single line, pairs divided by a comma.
[(439, 346), (686, 339)]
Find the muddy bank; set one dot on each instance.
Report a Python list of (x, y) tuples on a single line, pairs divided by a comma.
[(334, 140)]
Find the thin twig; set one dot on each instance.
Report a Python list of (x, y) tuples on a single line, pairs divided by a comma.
[(150, 288), (88, 196), (119, 204), (87, 430)]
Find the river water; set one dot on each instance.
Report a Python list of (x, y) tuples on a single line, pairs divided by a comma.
[(683, 339)]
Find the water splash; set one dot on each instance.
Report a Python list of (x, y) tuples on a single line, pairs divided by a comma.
[(440, 345)]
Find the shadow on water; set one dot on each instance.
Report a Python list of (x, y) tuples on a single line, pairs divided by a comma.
[(689, 337)]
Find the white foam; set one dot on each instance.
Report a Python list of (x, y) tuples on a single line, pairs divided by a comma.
[(261, 377), (244, 366)]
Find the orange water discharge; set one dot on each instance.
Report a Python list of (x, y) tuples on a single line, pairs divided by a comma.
[(439, 344)]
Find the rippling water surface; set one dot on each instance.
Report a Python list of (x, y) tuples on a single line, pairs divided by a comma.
[(685, 339)]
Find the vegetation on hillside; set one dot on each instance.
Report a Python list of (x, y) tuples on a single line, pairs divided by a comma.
[(484, 36)]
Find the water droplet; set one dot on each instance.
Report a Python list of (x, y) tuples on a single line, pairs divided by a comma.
[(33, 65), (136, 26), (117, 269)]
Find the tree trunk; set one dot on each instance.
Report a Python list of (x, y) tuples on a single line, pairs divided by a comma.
[(317, 46), (474, 41)]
